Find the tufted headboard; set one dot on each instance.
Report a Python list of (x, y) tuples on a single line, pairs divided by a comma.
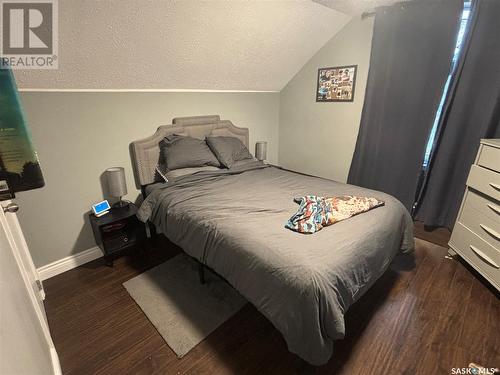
[(145, 152)]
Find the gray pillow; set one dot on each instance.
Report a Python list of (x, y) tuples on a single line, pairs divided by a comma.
[(178, 151), (228, 150)]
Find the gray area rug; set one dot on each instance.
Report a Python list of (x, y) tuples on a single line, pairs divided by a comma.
[(183, 310)]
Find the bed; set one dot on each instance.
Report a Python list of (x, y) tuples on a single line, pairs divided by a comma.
[(232, 220)]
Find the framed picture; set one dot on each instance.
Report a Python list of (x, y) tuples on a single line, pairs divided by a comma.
[(336, 84)]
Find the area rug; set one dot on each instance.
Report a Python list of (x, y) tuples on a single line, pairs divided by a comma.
[(183, 310)]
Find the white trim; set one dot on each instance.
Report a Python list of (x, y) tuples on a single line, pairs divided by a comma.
[(56, 366), (37, 307), (68, 263), (143, 90), (24, 253)]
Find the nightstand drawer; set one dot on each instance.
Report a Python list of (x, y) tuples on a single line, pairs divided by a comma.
[(116, 243), (485, 181), (489, 158), (482, 256)]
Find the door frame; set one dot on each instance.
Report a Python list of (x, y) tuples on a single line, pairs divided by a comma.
[(21, 254)]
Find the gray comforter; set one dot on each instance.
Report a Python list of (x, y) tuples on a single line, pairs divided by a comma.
[(233, 221)]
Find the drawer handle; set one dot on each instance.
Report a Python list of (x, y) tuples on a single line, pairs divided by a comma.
[(494, 208), (491, 232), (484, 257), (495, 186)]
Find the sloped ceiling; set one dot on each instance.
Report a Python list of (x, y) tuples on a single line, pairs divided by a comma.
[(355, 7), (185, 44)]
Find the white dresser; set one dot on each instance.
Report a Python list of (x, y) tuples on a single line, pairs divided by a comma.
[(476, 234)]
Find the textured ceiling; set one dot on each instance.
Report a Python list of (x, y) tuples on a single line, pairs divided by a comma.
[(355, 7), (185, 44)]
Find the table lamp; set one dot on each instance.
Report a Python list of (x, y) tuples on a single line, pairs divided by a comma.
[(117, 185), (261, 150)]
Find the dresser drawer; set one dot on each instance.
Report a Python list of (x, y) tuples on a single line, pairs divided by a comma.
[(485, 181), (483, 257), (480, 219), (484, 205), (489, 158)]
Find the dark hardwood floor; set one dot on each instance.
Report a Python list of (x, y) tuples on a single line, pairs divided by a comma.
[(439, 236), (425, 315)]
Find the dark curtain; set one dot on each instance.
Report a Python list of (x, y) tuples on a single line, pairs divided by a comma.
[(412, 48), (472, 112)]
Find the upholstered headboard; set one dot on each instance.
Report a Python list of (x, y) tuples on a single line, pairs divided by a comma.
[(145, 152)]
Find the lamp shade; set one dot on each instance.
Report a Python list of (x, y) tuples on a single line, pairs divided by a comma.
[(261, 150), (116, 181)]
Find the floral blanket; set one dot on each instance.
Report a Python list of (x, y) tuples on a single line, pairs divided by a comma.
[(316, 212)]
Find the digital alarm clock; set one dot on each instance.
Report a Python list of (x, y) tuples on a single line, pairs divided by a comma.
[(101, 208)]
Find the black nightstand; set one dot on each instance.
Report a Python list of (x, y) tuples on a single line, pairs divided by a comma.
[(117, 231)]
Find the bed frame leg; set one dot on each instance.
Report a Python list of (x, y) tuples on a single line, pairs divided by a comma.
[(151, 232), (201, 272)]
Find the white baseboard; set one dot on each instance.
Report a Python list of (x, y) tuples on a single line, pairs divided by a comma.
[(68, 263)]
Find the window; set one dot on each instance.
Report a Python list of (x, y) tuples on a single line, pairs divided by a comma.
[(464, 21)]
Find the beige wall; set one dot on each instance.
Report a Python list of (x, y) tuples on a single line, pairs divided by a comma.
[(79, 135), (319, 138)]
